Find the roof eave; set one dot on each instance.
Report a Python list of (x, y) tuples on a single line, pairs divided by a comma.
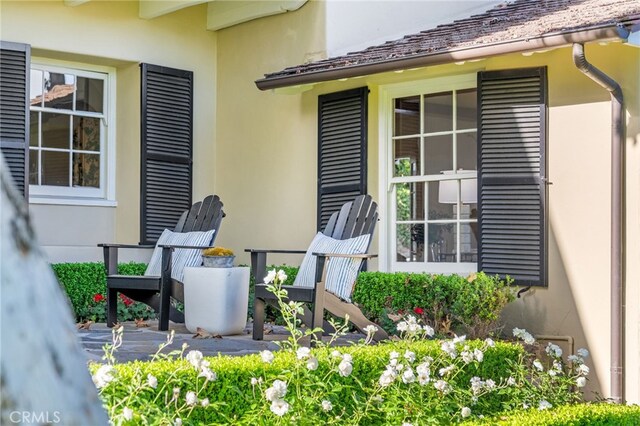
[(547, 41)]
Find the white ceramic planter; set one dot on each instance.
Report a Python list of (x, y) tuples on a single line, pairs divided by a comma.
[(216, 299)]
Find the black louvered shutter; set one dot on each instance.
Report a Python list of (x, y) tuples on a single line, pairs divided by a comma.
[(167, 142), (342, 150), (512, 108), (15, 61)]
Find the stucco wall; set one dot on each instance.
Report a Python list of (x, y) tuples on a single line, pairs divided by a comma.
[(268, 173), (111, 34)]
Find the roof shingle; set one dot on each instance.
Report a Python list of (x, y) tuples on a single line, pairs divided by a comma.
[(507, 22)]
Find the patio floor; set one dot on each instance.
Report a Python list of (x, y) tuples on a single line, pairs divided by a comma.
[(142, 343)]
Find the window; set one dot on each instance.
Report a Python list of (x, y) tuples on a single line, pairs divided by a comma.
[(434, 156), (431, 141), (68, 144)]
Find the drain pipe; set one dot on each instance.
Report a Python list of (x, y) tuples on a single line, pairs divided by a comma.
[(617, 167)]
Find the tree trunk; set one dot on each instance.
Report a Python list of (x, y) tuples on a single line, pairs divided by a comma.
[(43, 369)]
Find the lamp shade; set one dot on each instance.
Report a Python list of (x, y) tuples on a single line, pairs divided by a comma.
[(448, 189)]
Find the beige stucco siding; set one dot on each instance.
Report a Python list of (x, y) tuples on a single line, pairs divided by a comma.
[(111, 34)]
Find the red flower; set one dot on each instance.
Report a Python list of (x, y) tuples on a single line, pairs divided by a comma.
[(418, 311), (127, 301), (98, 298)]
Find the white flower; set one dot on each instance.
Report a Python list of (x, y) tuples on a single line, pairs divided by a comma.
[(312, 363), (459, 339), (467, 357), (525, 405), (490, 384), (450, 348), (552, 372), (408, 376), (326, 405), (410, 356), (205, 402), (282, 277), (446, 370), (581, 382), (152, 381), (387, 377), (553, 350), (209, 375), (524, 335), (575, 358), (442, 386), (583, 369), (465, 412), (538, 365), (191, 398), (177, 422), (511, 381), (345, 368), (489, 342), (424, 372), (428, 330), (407, 424), (103, 376), (518, 332), (394, 355), (402, 326), (195, 358), (528, 339), (127, 413), (267, 356), (478, 354), (370, 329), (279, 407), (271, 276), (336, 354), (176, 393), (544, 404), (476, 384), (303, 352), (277, 391), (347, 357), (583, 352), (255, 381)]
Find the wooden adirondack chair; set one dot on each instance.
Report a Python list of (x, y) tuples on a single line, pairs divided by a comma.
[(156, 291), (355, 218)]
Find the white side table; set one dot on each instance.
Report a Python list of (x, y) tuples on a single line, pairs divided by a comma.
[(216, 299)]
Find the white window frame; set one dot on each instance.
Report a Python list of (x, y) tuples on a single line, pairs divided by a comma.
[(387, 237), (105, 195)]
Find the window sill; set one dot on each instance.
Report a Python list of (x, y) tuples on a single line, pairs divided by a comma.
[(68, 201)]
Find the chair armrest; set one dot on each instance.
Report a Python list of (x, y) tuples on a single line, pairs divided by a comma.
[(138, 246), (275, 251), (351, 256), (172, 246)]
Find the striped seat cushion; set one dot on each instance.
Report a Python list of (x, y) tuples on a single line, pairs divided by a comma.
[(341, 272), (181, 257)]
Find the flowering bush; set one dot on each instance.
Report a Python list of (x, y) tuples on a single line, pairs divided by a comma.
[(414, 380), (128, 309)]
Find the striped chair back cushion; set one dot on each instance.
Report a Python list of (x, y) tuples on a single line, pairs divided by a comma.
[(181, 257), (341, 272)]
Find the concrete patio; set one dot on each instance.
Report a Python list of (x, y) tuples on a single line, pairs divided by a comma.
[(141, 343)]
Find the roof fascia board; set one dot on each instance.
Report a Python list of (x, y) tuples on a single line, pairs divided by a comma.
[(223, 14), (149, 9), (604, 33)]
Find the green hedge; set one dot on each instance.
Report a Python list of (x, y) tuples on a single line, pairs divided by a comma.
[(82, 281), (233, 389), (471, 305), (575, 415)]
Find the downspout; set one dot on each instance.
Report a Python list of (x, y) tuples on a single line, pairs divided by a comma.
[(617, 167)]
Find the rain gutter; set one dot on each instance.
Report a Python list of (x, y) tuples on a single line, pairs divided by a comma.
[(617, 217), (547, 41)]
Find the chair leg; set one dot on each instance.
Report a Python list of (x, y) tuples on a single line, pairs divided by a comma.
[(165, 290), (258, 318), (112, 307)]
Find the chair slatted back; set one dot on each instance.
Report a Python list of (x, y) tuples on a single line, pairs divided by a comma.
[(355, 218), (202, 216)]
